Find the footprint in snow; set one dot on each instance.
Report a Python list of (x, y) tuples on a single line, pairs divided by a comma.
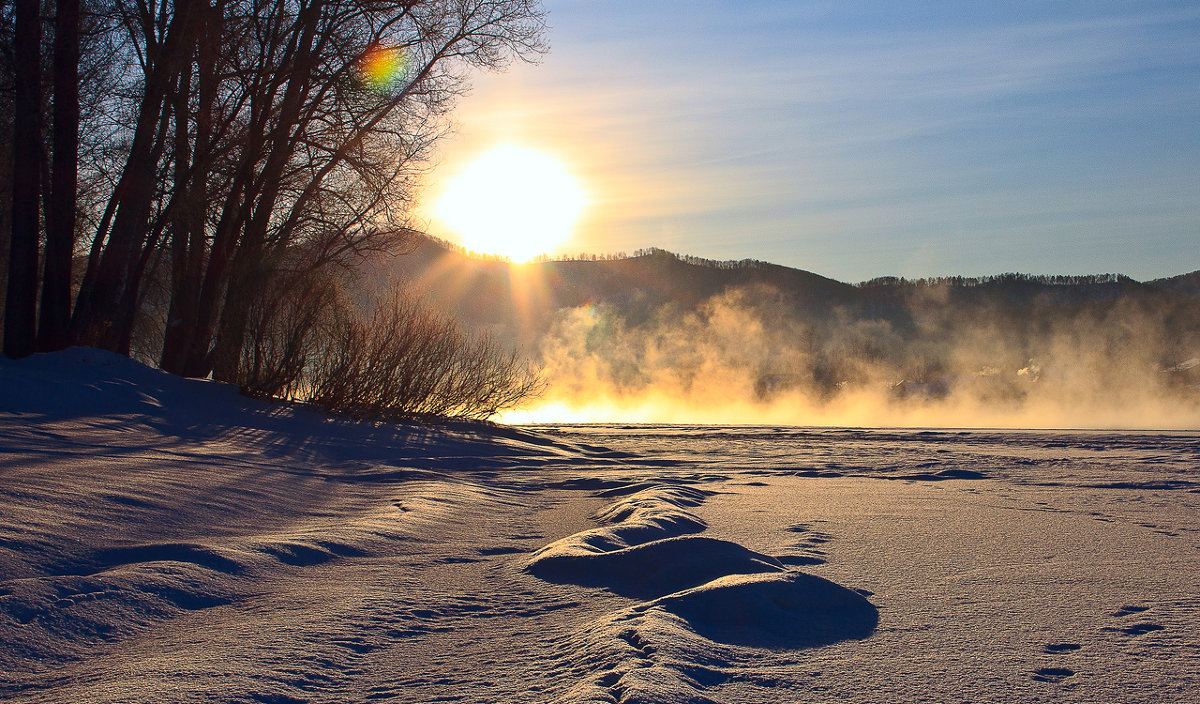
[(1137, 629), (1053, 674), (1140, 628), (1130, 609), (1055, 648)]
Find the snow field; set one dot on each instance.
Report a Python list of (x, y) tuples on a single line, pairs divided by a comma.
[(167, 540)]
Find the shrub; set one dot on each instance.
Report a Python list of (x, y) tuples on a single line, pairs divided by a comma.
[(284, 334), (402, 361)]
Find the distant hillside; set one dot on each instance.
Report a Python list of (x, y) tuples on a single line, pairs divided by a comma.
[(489, 293), (486, 292), (1188, 284)]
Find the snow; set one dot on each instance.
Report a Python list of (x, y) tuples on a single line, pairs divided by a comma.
[(164, 539)]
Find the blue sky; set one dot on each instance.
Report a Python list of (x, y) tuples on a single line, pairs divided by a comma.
[(860, 139)]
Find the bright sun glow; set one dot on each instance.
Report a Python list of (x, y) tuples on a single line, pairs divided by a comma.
[(512, 201)]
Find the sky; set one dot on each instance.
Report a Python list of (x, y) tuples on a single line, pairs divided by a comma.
[(863, 139)]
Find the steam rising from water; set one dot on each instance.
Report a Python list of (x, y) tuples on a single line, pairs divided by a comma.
[(746, 358)]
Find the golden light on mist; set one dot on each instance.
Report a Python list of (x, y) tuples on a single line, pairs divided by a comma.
[(739, 361), (512, 201)]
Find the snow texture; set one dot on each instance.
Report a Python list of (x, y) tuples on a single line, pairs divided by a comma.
[(165, 540)]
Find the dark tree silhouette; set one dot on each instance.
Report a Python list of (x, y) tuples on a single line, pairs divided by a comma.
[(253, 138), (107, 298), (55, 312), (20, 313)]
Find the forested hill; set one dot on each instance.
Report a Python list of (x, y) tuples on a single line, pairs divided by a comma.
[(1188, 284), (487, 291)]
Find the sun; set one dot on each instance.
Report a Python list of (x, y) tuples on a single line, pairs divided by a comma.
[(512, 201)]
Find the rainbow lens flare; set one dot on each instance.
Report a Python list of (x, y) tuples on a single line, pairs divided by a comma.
[(383, 68)]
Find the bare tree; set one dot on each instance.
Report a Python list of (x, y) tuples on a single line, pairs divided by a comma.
[(254, 132), (285, 333)]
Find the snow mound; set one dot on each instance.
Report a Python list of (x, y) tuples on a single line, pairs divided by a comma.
[(56, 614), (651, 656), (707, 599), (681, 648), (653, 513), (783, 610), (81, 381), (651, 569), (112, 392)]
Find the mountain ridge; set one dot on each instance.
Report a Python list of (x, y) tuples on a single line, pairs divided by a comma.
[(478, 288)]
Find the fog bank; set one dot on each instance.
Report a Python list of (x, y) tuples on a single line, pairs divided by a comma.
[(746, 356)]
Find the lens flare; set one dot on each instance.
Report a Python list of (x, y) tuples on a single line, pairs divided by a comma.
[(383, 68)]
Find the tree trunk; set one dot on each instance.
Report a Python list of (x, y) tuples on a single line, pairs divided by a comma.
[(99, 318), (54, 324), (198, 362), (118, 336), (181, 314), (236, 211), (20, 313), (188, 240)]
